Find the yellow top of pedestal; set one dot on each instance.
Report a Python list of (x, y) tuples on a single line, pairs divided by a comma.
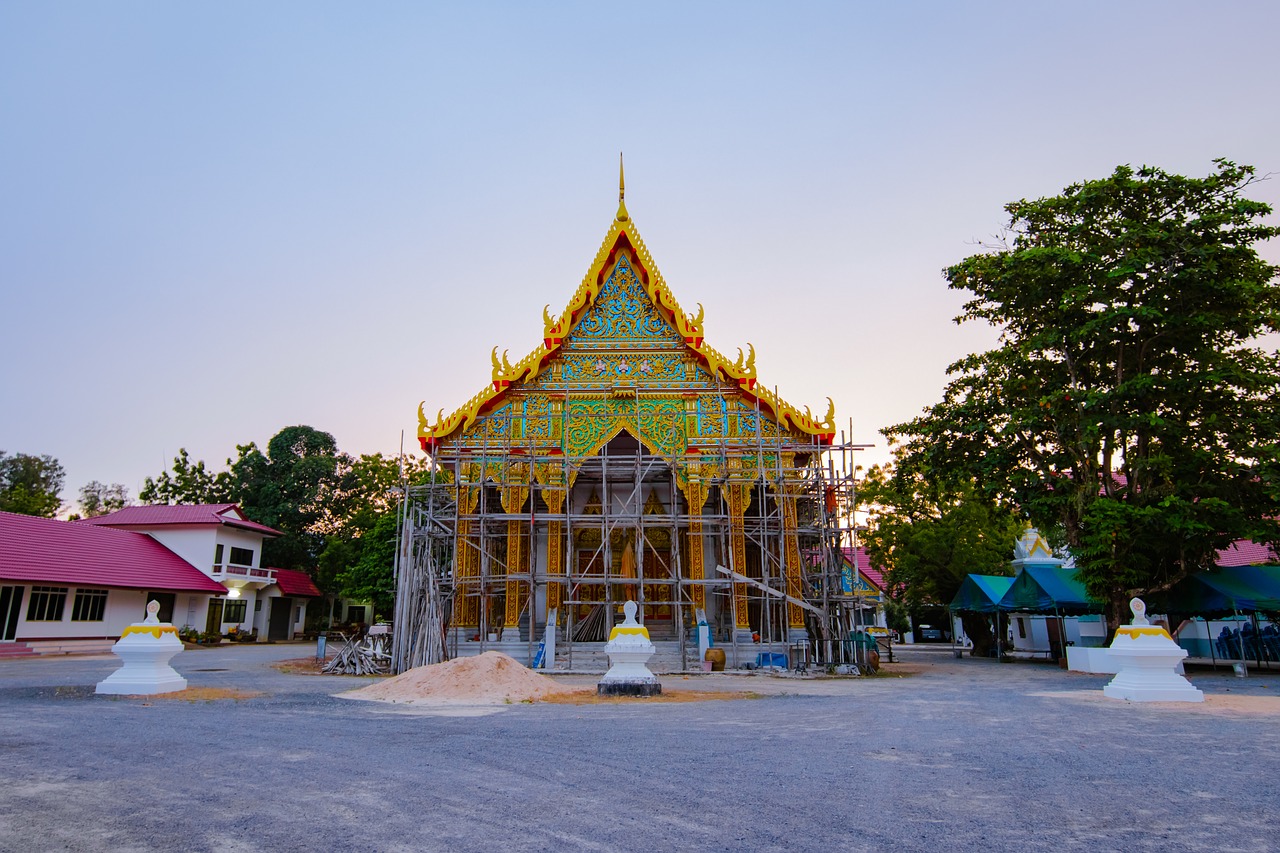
[(1138, 630), (626, 629), (153, 630)]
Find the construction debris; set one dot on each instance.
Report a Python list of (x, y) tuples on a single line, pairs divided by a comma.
[(368, 656)]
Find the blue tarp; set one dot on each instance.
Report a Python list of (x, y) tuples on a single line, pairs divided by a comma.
[(1048, 589), (980, 593)]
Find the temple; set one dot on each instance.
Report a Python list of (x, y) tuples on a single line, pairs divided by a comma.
[(626, 459)]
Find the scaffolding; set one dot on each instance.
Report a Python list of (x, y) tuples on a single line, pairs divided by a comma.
[(490, 552)]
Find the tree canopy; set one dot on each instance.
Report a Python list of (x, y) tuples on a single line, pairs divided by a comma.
[(335, 511), (99, 498), (30, 485), (1129, 402), (930, 534)]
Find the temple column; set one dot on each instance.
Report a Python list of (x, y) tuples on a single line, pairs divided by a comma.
[(555, 549), (513, 498), (792, 566), (467, 560), (695, 494), (738, 498)]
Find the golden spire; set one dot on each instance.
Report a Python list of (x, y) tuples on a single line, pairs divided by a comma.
[(622, 192)]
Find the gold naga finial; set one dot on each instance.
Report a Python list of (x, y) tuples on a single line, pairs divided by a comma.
[(622, 192)]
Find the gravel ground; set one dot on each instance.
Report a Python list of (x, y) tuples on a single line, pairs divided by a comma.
[(954, 755)]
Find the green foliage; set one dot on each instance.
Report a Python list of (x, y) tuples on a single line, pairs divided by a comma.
[(929, 535), (1128, 402), (99, 498), (371, 576), (187, 483), (30, 485)]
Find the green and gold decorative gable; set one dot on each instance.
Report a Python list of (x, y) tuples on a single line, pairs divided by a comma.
[(623, 355)]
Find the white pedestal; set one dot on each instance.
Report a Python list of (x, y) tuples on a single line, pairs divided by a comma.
[(145, 650), (1087, 659), (1146, 660), (629, 650)]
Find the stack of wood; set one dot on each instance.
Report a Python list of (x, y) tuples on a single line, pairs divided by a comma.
[(370, 656), (423, 595)]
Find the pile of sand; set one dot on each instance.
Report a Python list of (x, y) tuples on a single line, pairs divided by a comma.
[(488, 679)]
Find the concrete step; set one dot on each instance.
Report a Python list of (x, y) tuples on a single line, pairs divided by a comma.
[(16, 650), (71, 647)]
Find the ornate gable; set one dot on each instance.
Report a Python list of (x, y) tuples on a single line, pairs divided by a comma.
[(622, 355)]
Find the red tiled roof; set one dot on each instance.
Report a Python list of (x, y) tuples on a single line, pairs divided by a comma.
[(1242, 552), (863, 564), (45, 550), (293, 582), (161, 514)]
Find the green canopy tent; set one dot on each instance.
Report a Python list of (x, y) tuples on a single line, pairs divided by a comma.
[(1229, 590), (1049, 589), (979, 594), (1040, 588)]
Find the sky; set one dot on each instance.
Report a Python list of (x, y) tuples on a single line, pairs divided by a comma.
[(221, 219)]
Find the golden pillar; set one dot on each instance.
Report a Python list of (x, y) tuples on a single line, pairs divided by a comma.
[(555, 548), (695, 494), (513, 498), (791, 556), (467, 559), (738, 497)]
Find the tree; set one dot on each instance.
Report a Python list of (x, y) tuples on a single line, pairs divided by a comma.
[(99, 499), (30, 485), (1128, 400), (187, 484), (296, 487), (371, 577), (929, 535)]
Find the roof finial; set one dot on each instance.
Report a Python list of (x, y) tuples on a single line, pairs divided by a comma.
[(622, 191)]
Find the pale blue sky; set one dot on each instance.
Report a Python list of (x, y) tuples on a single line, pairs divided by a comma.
[(220, 219)]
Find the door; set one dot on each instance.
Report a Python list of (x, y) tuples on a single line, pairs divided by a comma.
[(280, 622), (213, 625), (10, 607)]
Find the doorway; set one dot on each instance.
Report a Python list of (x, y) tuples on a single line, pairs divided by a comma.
[(213, 625), (281, 618), (10, 607)]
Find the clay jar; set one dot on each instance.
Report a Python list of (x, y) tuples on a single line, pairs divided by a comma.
[(716, 656)]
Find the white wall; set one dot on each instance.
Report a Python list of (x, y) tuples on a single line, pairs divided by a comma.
[(124, 607)]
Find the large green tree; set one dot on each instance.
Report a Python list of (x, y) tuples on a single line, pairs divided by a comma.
[(296, 486), (930, 534), (1130, 401), (30, 485)]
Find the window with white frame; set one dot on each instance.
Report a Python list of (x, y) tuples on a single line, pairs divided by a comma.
[(90, 605), (241, 556), (46, 603)]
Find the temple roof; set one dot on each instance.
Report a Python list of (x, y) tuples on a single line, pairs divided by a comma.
[(621, 238)]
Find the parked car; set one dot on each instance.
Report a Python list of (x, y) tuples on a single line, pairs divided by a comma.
[(930, 634)]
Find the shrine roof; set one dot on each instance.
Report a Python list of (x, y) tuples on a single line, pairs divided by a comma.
[(623, 237)]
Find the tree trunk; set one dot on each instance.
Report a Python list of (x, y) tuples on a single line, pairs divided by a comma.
[(1118, 612), (977, 626)]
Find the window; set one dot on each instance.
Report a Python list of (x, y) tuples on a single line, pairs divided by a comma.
[(90, 605), (257, 606), (355, 614), (234, 610), (241, 556), (46, 603), (217, 555), (1022, 628)]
